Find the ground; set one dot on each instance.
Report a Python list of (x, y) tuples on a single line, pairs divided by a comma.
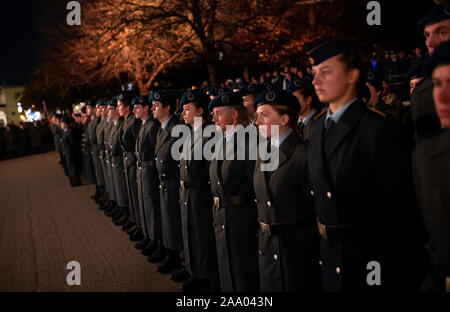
[(45, 223)]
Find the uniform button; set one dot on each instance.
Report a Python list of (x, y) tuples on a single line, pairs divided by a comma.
[(256, 201), (140, 168), (160, 186), (218, 183), (156, 158), (185, 203), (163, 174), (260, 252), (320, 262), (185, 167), (275, 257), (223, 226), (312, 192), (161, 161), (269, 203), (178, 165), (338, 270), (328, 194)]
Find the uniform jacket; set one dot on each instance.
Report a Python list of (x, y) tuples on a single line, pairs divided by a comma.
[(236, 226), (361, 179), (196, 214), (288, 261), (431, 160), (169, 178)]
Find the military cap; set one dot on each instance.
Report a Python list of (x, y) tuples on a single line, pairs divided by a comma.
[(298, 84), (268, 86), (252, 89), (125, 98), (112, 102), (198, 96), (440, 56), (102, 102), (226, 99), (277, 97), (436, 15), (322, 49), (215, 91), (142, 100), (90, 103), (167, 98)]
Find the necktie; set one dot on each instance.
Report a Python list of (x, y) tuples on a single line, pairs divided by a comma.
[(329, 124)]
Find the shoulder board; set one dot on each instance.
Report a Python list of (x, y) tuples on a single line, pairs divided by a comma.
[(376, 111), (320, 114)]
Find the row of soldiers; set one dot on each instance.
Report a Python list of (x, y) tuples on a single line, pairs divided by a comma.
[(26, 139), (346, 208)]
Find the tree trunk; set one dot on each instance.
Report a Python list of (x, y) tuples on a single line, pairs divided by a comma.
[(212, 72)]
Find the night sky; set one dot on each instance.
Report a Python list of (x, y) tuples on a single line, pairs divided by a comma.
[(20, 41)]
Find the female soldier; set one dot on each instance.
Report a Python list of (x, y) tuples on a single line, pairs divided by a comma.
[(235, 214), (163, 108), (359, 164), (196, 198), (288, 238)]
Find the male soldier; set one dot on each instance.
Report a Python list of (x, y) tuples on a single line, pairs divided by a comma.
[(310, 106), (431, 160), (127, 137), (248, 93), (361, 181), (163, 108), (70, 153), (436, 28)]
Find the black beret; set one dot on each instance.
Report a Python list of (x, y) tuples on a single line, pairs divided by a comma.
[(142, 100), (83, 109), (215, 91), (252, 89), (112, 102), (167, 98), (323, 49), (436, 15), (226, 99), (101, 102), (90, 103), (298, 84), (125, 98), (198, 96), (441, 55), (277, 97)]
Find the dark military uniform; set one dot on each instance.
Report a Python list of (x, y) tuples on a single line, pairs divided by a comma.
[(147, 180), (196, 214), (361, 181), (169, 177), (92, 129), (128, 135), (70, 154), (431, 160), (236, 223), (116, 154), (99, 132), (107, 136), (288, 239), (423, 112)]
